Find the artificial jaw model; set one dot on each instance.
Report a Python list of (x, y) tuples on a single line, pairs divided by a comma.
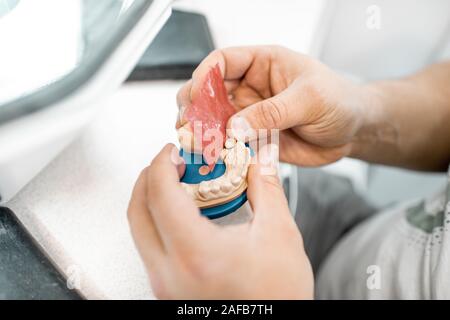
[(212, 109), (236, 157)]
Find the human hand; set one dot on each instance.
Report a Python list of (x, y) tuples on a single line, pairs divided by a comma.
[(318, 111), (189, 257)]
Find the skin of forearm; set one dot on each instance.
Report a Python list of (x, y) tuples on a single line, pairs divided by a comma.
[(406, 122)]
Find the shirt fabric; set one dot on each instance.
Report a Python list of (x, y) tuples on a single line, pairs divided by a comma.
[(400, 253)]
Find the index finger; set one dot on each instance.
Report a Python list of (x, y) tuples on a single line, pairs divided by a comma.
[(233, 63)]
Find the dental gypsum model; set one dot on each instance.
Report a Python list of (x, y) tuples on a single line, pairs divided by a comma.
[(218, 180), (228, 186)]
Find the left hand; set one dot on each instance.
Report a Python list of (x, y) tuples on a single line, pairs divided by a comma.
[(189, 257)]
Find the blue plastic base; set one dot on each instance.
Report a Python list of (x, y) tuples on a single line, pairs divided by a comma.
[(192, 176), (226, 208)]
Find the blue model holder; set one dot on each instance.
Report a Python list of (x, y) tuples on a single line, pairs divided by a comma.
[(192, 176)]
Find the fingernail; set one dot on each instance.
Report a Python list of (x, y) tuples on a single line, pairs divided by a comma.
[(268, 157), (175, 157), (240, 128)]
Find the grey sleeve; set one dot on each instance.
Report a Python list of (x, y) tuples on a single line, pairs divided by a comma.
[(327, 208)]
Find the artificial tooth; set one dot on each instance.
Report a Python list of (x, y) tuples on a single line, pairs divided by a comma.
[(236, 180), (215, 187), (223, 154), (203, 188), (241, 144), (230, 143), (226, 185)]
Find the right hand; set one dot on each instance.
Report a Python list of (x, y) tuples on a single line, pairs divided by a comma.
[(317, 111)]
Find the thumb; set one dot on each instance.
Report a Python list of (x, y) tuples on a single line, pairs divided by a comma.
[(277, 112), (265, 193)]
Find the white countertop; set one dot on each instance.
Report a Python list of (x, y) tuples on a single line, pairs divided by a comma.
[(76, 207)]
